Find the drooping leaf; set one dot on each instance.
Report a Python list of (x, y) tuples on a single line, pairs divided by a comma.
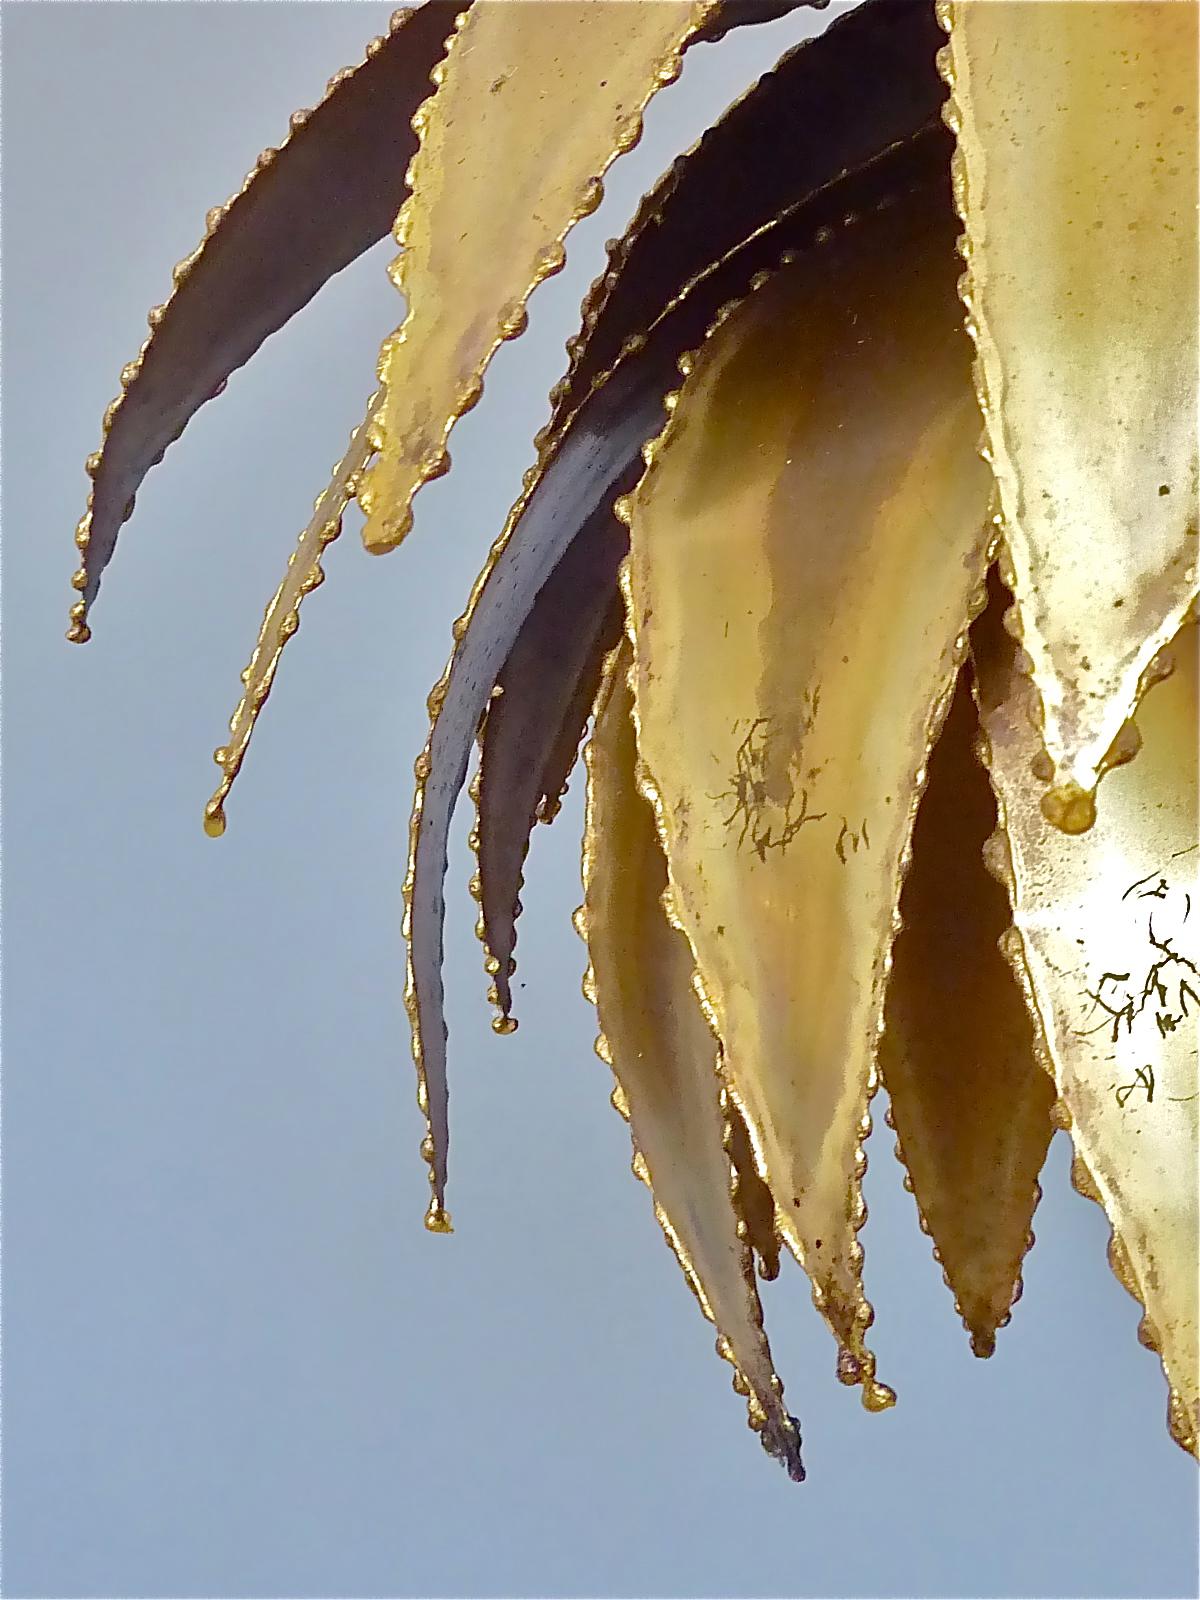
[(597, 458), (970, 1093), (1084, 117), (1108, 925), (580, 470), (665, 1060), (804, 548), (306, 211), (282, 616), (535, 723)]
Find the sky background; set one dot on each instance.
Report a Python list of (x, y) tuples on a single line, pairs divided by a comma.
[(235, 1364)]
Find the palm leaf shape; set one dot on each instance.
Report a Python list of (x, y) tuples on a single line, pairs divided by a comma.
[(864, 571)]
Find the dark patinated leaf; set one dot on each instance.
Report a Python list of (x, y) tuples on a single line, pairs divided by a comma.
[(306, 211), (536, 720)]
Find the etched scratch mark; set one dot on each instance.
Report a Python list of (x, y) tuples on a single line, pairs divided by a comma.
[(1168, 990), (1143, 1079), (1158, 892), (768, 803), (853, 838)]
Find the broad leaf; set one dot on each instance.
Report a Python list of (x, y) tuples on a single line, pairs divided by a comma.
[(1077, 181), (805, 545)]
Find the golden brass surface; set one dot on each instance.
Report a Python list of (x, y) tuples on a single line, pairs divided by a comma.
[(806, 544), (1076, 176), (1107, 924), (655, 1038), (533, 104)]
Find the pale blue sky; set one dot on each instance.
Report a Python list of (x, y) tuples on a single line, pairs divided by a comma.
[(235, 1363)]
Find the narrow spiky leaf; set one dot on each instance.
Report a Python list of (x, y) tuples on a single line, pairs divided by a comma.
[(535, 722), (533, 104), (970, 1095), (579, 479), (664, 1057), (1083, 115), (282, 616), (1107, 923), (805, 544), (307, 210)]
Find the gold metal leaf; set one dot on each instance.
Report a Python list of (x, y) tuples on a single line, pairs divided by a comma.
[(533, 104), (1076, 176), (1108, 926), (970, 1094), (665, 1059), (282, 617), (806, 544)]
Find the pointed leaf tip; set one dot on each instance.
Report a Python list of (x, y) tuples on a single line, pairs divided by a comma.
[(666, 1063)]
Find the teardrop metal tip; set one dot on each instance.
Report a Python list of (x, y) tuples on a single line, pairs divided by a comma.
[(214, 820), (437, 1218), (878, 1396), (1069, 808)]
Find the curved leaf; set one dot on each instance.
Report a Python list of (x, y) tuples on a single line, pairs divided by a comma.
[(306, 211), (597, 459), (282, 616), (1084, 116), (664, 1058), (805, 544)]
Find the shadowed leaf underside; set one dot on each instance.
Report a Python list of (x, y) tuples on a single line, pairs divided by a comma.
[(970, 1096)]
